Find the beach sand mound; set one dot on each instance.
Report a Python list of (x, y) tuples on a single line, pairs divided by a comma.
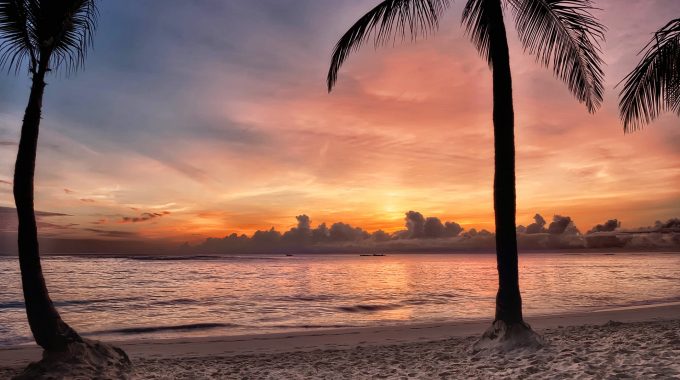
[(584, 350), (81, 360), (647, 350), (503, 337)]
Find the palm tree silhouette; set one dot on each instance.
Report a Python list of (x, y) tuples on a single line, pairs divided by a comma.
[(562, 34), (48, 36), (653, 87)]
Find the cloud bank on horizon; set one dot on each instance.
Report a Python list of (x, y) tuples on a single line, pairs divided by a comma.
[(420, 234), (430, 234), (222, 122)]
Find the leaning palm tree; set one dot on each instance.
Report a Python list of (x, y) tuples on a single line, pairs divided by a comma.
[(562, 34), (653, 87), (46, 35)]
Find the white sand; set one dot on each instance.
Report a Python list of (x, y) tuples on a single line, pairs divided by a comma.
[(643, 343)]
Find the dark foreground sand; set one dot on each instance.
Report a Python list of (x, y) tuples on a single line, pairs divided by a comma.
[(636, 343)]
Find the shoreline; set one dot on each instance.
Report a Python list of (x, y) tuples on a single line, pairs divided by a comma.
[(348, 338)]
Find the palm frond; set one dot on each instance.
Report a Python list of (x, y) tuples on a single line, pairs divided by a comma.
[(386, 22), (653, 87), (477, 25), (565, 36), (16, 34), (65, 30)]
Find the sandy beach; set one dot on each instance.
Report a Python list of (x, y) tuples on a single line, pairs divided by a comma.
[(638, 342)]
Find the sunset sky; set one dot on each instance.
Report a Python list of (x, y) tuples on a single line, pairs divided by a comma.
[(202, 118)]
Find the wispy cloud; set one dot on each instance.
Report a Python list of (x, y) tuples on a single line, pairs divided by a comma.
[(112, 233), (230, 122), (144, 217)]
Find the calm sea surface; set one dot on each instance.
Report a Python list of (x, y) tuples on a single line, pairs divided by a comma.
[(142, 299)]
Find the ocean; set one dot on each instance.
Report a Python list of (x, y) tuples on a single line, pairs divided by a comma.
[(163, 297)]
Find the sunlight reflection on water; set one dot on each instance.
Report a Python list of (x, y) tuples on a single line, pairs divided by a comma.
[(125, 298)]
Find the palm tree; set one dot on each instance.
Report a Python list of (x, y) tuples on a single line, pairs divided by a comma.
[(653, 87), (47, 36), (562, 34)]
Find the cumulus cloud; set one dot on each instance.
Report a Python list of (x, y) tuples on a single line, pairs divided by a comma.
[(572, 230), (433, 228), (269, 237), (430, 234), (380, 236), (344, 232), (599, 240), (304, 223), (671, 225), (654, 241), (663, 235), (472, 232), (321, 233), (415, 224), (304, 237), (301, 234), (608, 226), (559, 225), (538, 226), (452, 229), (418, 227)]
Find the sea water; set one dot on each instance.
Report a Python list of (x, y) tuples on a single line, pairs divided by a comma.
[(163, 297)]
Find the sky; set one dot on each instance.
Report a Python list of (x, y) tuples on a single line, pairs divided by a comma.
[(199, 119)]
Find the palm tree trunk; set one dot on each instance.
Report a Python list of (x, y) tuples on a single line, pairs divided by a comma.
[(48, 329), (508, 299)]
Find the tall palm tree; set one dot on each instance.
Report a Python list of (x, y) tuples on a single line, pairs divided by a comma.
[(653, 87), (47, 36), (562, 34)]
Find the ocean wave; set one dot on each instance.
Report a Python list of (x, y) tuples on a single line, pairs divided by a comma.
[(153, 329), (312, 326), (12, 305), (362, 308), (178, 301), (96, 301), (11, 341), (650, 302), (62, 303), (301, 298)]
